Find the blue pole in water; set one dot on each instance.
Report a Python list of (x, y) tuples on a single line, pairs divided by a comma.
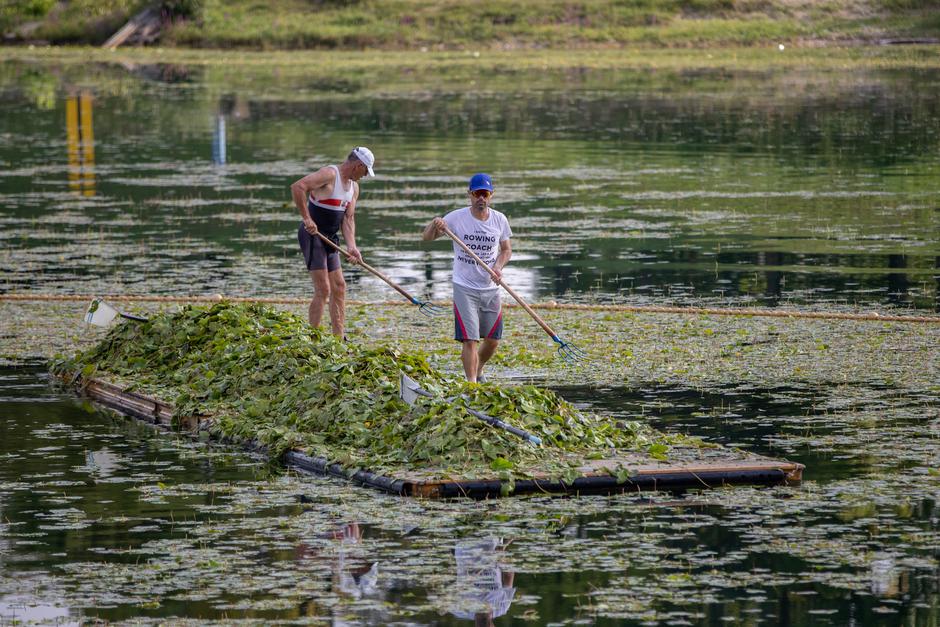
[(218, 141), (496, 422)]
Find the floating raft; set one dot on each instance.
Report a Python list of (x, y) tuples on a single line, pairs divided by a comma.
[(698, 468)]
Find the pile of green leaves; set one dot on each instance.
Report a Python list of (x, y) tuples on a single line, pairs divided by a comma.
[(259, 374)]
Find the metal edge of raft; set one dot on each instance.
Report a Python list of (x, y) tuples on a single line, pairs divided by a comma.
[(675, 480), (155, 411), (322, 466)]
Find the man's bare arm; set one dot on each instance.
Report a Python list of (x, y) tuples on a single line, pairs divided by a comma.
[(349, 226), (433, 230), (505, 253), (303, 188)]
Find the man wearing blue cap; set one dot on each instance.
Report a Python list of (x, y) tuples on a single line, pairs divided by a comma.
[(478, 316)]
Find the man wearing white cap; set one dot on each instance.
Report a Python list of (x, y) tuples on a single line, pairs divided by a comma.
[(326, 200)]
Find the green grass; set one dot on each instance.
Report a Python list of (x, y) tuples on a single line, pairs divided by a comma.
[(76, 21), (408, 70), (454, 24)]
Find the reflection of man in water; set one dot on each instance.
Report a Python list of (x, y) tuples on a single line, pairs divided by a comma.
[(484, 590), (353, 582)]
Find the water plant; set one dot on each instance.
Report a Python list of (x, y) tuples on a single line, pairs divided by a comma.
[(254, 373)]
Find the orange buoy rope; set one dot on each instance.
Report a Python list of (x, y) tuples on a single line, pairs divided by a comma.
[(645, 309)]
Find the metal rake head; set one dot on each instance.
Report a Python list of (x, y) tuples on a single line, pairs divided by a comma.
[(568, 352), (430, 309)]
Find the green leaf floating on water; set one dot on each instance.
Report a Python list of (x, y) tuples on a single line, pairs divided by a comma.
[(261, 374)]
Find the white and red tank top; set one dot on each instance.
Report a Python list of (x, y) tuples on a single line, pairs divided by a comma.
[(328, 212)]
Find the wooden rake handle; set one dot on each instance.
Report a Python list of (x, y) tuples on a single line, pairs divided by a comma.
[(391, 283), (502, 283)]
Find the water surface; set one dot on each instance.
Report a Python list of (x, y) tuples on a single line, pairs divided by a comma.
[(708, 186), (105, 518), (804, 187)]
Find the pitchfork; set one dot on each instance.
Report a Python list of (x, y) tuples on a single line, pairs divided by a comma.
[(427, 308), (567, 351)]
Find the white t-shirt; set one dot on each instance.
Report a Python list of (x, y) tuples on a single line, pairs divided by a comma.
[(483, 238)]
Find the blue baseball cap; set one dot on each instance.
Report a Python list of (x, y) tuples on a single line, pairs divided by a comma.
[(481, 181)]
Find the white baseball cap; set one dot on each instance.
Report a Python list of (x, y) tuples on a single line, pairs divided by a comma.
[(365, 155)]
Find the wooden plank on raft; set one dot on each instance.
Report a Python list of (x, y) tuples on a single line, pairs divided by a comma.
[(700, 468), (137, 405)]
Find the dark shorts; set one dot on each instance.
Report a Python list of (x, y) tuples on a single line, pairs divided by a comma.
[(316, 254)]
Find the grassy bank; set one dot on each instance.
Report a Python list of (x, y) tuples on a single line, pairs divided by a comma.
[(451, 24), (461, 69)]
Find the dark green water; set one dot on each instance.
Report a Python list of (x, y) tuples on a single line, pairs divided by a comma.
[(107, 519), (622, 186), (779, 187)]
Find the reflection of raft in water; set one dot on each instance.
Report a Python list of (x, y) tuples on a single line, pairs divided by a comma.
[(687, 467)]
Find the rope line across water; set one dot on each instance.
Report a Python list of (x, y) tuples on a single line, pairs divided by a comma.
[(693, 311)]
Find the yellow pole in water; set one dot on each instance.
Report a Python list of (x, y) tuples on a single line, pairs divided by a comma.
[(88, 145), (72, 142)]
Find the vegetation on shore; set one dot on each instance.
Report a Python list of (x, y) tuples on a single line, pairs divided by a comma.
[(412, 69), (451, 24)]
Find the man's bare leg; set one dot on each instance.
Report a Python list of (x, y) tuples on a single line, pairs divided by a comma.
[(487, 349), (337, 302), (321, 293), (470, 359)]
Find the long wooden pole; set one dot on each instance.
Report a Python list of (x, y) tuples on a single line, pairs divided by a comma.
[(502, 283), (391, 283)]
